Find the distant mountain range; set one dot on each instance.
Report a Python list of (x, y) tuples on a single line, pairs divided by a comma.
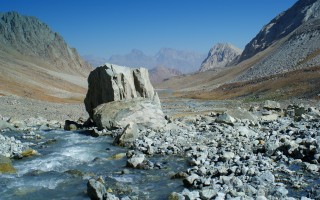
[(283, 59), (183, 61), (36, 62)]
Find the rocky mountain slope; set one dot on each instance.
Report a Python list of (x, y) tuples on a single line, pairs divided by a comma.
[(281, 26), (292, 39), (220, 55), (184, 61), (282, 61), (36, 62)]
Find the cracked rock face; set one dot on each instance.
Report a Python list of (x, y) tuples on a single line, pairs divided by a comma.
[(120, 95), (109, 83)]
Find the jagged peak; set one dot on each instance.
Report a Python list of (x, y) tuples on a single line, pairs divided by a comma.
[(225, 46), (220, 55)]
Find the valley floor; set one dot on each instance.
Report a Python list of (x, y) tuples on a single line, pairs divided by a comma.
[(22, 108), (254, 151)]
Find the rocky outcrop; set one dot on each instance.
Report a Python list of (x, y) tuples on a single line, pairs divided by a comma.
[(119, 95), (220, 55), (109, 83)]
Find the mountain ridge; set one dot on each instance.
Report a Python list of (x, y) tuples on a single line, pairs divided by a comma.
[(290, 52), (279, 27), (220, 55), (37, 62), (271, 66)]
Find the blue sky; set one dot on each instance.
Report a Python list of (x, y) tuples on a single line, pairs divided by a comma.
[(107, 27)]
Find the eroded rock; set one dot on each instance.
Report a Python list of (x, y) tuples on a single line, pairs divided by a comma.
[(118, 114), (109, 83)]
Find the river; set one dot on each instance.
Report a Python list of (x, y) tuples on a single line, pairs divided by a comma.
[(68, 159)]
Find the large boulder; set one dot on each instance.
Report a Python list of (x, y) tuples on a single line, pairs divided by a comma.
[(110, 83), (120, 95), (118, 114)]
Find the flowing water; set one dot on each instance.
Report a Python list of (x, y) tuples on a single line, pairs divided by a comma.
[(69, 159)]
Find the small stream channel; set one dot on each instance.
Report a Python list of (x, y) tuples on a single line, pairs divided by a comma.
[(69, 159)]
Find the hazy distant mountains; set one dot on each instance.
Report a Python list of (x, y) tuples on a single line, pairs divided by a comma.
[(36, 62), (221, 55), (183, 61)]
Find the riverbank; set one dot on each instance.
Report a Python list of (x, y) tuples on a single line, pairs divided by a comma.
[(266, 150), (22, 108)]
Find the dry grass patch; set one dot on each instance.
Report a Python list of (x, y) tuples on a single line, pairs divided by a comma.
[(303, 83)]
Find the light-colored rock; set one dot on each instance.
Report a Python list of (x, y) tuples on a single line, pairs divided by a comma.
[(135, 160), (266, 178), (227, 155), (5, 125), (129, 134), (312, 167), (9, 146), (109, 83), (271, 105), (242, 114), (207, 193), (190, 179), (118, 114), (225, 118), (261, 198), (271, 117), (109, 196), (190, 195)]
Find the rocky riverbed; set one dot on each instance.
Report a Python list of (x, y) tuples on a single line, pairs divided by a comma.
[(267, 151)]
